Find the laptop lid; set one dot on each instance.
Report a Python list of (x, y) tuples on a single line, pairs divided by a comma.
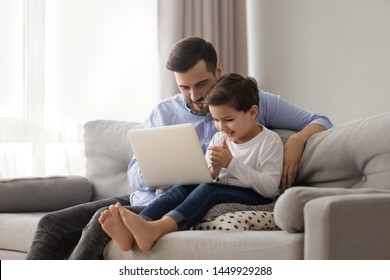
[(169, 155)]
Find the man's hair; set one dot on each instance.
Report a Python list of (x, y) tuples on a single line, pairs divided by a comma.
[(188, 52), (235, 90)]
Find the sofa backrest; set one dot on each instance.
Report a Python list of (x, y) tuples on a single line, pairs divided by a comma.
[(108, 153), (354, 155)]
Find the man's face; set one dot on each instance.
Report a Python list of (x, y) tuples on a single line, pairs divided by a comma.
[(195, 83)]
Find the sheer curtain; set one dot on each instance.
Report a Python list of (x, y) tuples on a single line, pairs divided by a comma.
[(222, 22), (67, 62)]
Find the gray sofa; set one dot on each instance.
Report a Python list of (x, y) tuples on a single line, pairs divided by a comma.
[(340, 208)]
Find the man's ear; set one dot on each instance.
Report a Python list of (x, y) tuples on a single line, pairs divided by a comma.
[(219, 71)]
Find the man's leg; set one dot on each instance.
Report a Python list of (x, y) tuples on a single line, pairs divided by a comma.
[(94, 239), (58, 232)]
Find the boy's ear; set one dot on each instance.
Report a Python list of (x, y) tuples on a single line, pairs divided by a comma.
[(254, 111)]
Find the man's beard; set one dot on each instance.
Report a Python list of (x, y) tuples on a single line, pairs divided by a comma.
[(195, 109)]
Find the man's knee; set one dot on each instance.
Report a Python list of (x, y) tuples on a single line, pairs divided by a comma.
[(95, 218), (99, 212), (49, 221)]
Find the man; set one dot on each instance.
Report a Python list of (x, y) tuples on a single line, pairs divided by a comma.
[(196, 68)]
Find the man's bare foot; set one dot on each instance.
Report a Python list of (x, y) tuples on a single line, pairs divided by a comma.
[(113, 225)]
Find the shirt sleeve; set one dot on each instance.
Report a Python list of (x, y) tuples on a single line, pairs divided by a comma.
[(134, 175), (278, 113)]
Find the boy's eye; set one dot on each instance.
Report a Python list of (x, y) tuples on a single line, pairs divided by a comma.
[(226, 120)]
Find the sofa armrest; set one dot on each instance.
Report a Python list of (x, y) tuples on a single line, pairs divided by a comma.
[(43, 194), (348, 227), (289, 213)]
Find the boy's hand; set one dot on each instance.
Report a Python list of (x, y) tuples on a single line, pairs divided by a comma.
[(220, 156)]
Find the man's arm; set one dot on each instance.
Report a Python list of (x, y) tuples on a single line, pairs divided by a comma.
[(134, 177), (293, 150), (275, 112)]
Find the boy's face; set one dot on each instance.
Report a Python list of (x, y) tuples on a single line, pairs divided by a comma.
[(238, 126), (195, 83)]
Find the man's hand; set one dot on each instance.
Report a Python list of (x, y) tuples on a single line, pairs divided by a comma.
[(220, 157), (293, 150)]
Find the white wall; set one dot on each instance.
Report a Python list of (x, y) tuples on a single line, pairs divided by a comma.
[(329, 56)]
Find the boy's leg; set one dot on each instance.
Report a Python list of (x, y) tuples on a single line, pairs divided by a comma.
[(166, 202), (58, 232), (205, 196)]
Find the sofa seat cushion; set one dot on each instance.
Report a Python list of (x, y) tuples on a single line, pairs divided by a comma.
[(215, 245), (17, 230), (12, 255)]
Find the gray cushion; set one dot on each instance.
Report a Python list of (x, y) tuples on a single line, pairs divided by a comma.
[(43, 194), (108, 153), (354, 155)]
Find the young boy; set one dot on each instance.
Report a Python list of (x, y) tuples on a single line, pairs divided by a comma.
[(245, 161)]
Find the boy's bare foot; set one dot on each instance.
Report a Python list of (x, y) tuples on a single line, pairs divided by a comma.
[(146, 233), (140, 228), (113, 225)]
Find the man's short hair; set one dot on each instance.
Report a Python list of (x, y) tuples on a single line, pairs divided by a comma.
[(188, 52), (235, 90)]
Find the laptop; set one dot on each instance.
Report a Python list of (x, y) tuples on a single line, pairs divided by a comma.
[(169, 155)]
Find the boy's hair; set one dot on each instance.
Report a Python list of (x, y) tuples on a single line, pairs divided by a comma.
[(189, 51), (235, 90)]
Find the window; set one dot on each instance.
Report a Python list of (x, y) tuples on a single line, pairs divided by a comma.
[(68, 62)]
